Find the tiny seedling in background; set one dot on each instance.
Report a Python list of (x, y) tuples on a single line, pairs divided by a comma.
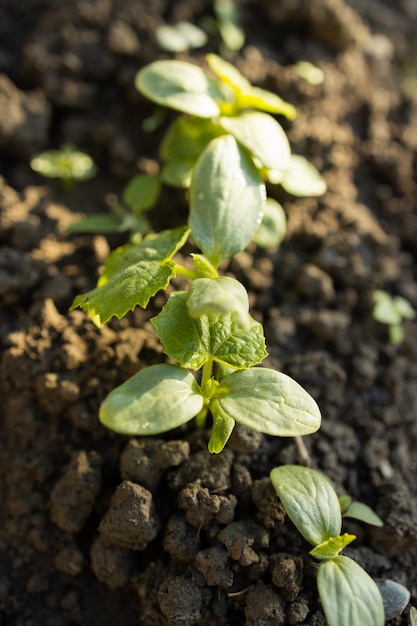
[(348, 594), (180, 37), (392, 310), (310, 73), (67, 164)]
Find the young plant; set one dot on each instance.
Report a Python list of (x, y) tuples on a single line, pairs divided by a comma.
[(218, 102), (392, 310), (358, 511), (207, 330), (347, 593), (68, 164)]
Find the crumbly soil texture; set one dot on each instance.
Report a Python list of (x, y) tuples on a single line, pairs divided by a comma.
[(99, 529)]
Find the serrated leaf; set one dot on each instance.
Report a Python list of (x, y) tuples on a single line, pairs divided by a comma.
[(267, 401), (262, 136), (363, 513), (193, 341), (180, 85), (226, 199), (160, 247), (131, 287), (348, 594), (141, 192), (271, 231), (153, 401), (310, 501), (332, 546), (301, 178)]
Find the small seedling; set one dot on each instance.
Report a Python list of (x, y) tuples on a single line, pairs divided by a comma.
[(68, 164), (180, 37), (347, 593), (392, 310)]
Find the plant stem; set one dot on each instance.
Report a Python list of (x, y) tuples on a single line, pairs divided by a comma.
[(205, 388), (184, 271)]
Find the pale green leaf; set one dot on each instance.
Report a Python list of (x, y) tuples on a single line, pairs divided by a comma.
[(141, 192), (385, 310), (180, 85), (193, 341), (226, 200), (301, 178), (262, 136), (153, 401), (222, 295), (227, 21), (98, 223), (227, 73), (267, 401), (203, 267), (187, 137), (263, 100), (177, 173), (271, 231), (363, 513), (220, 433), (348, 594), (67, 163), (404, 308), (180, 37), (158, 247), (125, 290), (310, 501), (413, 616), (332, 546)]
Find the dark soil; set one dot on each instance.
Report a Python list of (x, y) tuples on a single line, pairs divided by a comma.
[(96, 529)]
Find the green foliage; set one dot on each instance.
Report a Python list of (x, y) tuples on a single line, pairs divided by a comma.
[(271, 231), (180, 37), (413, 616), (67, 164), (348, 594), (392, 310), (359, 511)]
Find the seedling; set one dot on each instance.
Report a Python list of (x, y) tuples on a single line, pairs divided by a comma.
[(392, 310), (180, 37), (68, 164), (207, 329), (358, 511), (347, 593)]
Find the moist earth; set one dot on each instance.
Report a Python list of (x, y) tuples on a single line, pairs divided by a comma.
[(97, 528)]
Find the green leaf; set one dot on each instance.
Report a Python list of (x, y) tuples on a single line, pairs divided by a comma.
[(385, 310), (98, 223), (404, 308), (271, 231), (310, 501), (413, 616), (226, 200), (187, 137), (363, 513), (203, 267), (267, 401), (180, 85), (180, 37), (247, 96), (227, 22), (177, 173), (141, 192), (332, 546), (220, 433), (125, 290), (160, 247), (222, 295), (348, 594), (344, 501), (193, 341), (153, 401), (67, 163), (262, 136), (301, 178)]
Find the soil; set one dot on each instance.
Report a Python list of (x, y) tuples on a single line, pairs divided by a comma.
[(96, 528)]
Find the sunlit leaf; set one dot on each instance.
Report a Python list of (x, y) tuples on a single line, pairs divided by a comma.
[(348, 594), (310, 501), (180, 85), (67, 163), (271, 231), (301, 178), (153, 401), (180, 37), (226, 200), (267, 401)]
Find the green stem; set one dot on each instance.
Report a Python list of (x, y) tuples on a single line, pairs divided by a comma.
[(205, 388), (184, 271)]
